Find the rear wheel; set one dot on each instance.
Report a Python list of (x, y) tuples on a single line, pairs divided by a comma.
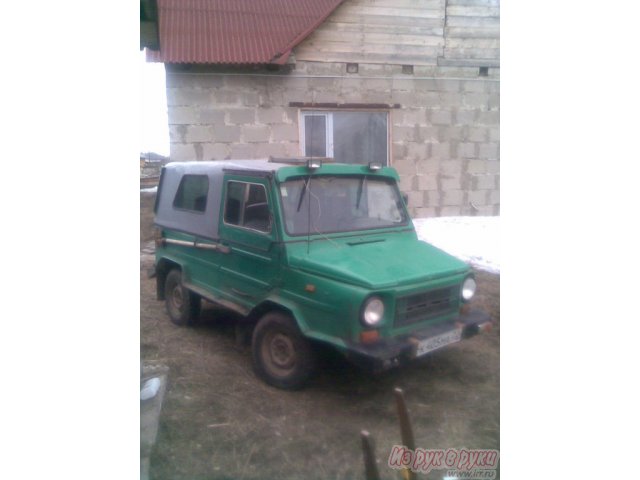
[(183, 306), (282, 356)]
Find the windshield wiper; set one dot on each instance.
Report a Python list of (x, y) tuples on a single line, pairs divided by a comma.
[(302, 192), (360, 188)]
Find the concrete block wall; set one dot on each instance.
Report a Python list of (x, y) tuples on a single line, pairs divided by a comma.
[(444, 137)]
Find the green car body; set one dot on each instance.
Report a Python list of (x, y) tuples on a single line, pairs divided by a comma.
[(262, 243)]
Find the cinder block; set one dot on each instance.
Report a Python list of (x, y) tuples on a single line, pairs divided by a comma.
[(429, 166), (405, 166), (211, 116), (414, 116), (226, 134), (404, 84), (432, 100), (241, 116), (449, 212), (177, 133), (226, 97), (478, 197), (452, 197), (451, 167), (291, 149), (440, 117), (475, 100), (448, 85), (270, 149), (284, 132), (381, 85), (270, 115), (450, 100), (432, 198), (216, 151), (427, 182), (425, 212), (181, 152), (450, 182), (450, 134), (416, 199), (407, 183), (489, 118), (398, 151), (183, 116), (485, 210), (494, 101), (427, 133), (493, 166), (198, 133), (465, 117), (494, 134), (188, 97), (483, 182), (477, 166), (489, 151), (243, 150), (475, 86), (478, 134), (404, 134), (327, 96), (250, 99), (466, 150), (417, 151), (198, 148), (441, 151), (406, 99), (255, 133)]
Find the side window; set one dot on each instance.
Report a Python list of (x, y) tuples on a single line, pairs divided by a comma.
[(246, 206), (192, 193)]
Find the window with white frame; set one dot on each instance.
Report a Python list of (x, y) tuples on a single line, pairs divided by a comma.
[(346, 136)]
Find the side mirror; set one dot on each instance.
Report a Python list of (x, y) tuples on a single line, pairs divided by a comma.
[(405, 197)]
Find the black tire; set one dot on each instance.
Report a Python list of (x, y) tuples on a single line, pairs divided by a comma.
[(183, 306), (282, 357)]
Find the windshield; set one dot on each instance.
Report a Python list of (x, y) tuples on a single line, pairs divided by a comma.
[(340, 204)]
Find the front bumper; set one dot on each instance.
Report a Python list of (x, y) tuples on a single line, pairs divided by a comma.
[(391, 352)]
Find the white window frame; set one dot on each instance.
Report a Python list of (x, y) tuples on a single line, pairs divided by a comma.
[(328, 130)]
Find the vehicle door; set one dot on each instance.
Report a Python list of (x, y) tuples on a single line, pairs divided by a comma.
[(250, 269)]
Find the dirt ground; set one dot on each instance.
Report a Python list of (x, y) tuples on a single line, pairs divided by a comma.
[(219, 421)]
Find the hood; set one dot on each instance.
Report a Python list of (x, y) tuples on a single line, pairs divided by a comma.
[(375, 263)]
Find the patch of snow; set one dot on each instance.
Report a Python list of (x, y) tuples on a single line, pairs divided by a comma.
[(474, 240), (149, 190)]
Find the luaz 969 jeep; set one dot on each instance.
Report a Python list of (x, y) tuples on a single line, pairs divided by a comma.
[(308, 252)]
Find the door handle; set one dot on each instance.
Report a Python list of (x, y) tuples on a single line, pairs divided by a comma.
[(241, 293)]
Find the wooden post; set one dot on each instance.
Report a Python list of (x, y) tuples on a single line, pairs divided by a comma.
[(369, 452), (406, 432)]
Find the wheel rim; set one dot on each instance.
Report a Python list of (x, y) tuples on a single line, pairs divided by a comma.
[(279, 354), (177, 297)]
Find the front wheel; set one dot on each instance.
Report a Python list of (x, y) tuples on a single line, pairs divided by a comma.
[(282, 357), (183, 306)]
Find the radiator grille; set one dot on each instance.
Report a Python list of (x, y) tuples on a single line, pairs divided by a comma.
[(426, 305)]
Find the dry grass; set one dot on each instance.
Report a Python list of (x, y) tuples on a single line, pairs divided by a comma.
[(220, 421)]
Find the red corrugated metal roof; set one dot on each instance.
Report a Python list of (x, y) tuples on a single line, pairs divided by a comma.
[(235, 31)]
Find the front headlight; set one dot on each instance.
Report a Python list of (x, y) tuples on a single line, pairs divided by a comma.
[(373, 311), (468, 289)]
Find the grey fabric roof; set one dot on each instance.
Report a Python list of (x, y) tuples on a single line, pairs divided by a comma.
[(203, 224)]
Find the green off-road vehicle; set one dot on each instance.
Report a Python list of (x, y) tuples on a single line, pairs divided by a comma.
[(308, 253)]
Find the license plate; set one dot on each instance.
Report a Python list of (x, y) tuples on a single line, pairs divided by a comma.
[(433, 343)]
